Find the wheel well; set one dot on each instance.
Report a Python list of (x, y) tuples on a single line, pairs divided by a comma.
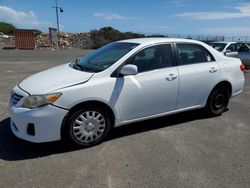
[(85, 104), (225, 84)]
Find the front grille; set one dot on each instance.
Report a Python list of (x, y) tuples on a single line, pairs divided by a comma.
[(31, 129), (15, 98)]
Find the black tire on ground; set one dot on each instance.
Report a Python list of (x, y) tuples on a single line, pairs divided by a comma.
[(68, 134), (218, 101)]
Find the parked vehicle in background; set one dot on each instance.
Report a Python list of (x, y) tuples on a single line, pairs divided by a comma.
[(234, 49), (2, 35), (244, 53), (227, 48), (121, 83)]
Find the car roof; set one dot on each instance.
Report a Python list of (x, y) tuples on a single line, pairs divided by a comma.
[(157, 40), (243, 42), (223, 42)]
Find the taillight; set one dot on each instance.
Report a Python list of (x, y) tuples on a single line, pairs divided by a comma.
[(242, 67)]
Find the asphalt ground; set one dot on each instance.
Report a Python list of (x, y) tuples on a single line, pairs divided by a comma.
[(183, 150)]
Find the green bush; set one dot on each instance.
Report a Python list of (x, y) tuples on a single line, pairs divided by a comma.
[(37, 32), (7, 28), (108, 34)]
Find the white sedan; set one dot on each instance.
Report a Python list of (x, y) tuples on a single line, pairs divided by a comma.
[(121, 83), (2, 35)]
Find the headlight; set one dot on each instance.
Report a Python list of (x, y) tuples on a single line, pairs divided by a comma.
[(36, 101)]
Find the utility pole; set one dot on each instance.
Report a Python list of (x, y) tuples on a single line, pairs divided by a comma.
[(57, 19)]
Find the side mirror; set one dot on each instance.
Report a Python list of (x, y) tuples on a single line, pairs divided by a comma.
[(129, 70)]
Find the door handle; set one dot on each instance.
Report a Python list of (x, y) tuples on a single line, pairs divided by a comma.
[(171, 77), (213, 70)]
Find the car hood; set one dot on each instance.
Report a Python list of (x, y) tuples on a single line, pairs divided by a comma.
[(53, 79)]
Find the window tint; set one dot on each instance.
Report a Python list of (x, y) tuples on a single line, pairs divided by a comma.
[(191, 53), (151, 58), (106, 56), (243, 48), (232, 48)]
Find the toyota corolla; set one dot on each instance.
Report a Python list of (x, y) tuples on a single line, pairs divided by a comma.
[(121, 83)]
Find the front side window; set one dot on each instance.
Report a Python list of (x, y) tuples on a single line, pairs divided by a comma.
[(152, 58), (232, 48), (105, 56), (192, 54)]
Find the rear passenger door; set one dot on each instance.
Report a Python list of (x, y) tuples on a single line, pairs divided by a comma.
[(197, 74)]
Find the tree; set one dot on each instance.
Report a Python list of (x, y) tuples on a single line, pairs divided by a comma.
[(108, 34), (7, 28)]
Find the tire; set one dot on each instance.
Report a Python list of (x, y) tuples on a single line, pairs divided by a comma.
[(218, 101), (88, 126)]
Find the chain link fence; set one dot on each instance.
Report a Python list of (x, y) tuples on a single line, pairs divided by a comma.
[(238, 38), (211, 38), (204, 38)]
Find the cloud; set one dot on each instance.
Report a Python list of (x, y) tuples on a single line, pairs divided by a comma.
[(241, 11), (111, 16), (21, 19), (177, 3), (244, 31)]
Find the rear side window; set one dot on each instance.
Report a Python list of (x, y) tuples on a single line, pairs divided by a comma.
[(152, 58), (243, 48), (192, 54)]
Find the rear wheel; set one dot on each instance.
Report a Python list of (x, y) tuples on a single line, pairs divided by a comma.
[(88, 126), (218, 101)]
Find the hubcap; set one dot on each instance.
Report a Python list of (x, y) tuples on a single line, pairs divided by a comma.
[(219, 101), (89, 126)]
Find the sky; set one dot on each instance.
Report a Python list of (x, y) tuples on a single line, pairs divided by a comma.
[(206, 17)]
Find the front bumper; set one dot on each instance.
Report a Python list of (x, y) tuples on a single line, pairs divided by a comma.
[(47, 122)]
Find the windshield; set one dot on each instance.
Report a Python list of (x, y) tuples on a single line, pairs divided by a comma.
[(218, 46), (105, 56)]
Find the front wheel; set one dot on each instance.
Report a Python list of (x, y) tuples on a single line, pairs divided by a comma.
[(218, 101), (88, 126)]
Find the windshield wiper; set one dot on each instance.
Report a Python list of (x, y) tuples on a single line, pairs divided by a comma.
[(81, 67)]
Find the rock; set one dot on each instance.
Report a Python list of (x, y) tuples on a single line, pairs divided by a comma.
[(43, 40), (67, 40)]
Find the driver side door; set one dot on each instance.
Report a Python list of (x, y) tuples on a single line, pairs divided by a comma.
[(231, 51), (154, 89)]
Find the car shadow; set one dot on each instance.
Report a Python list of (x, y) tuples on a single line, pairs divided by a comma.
[(13, 149)]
